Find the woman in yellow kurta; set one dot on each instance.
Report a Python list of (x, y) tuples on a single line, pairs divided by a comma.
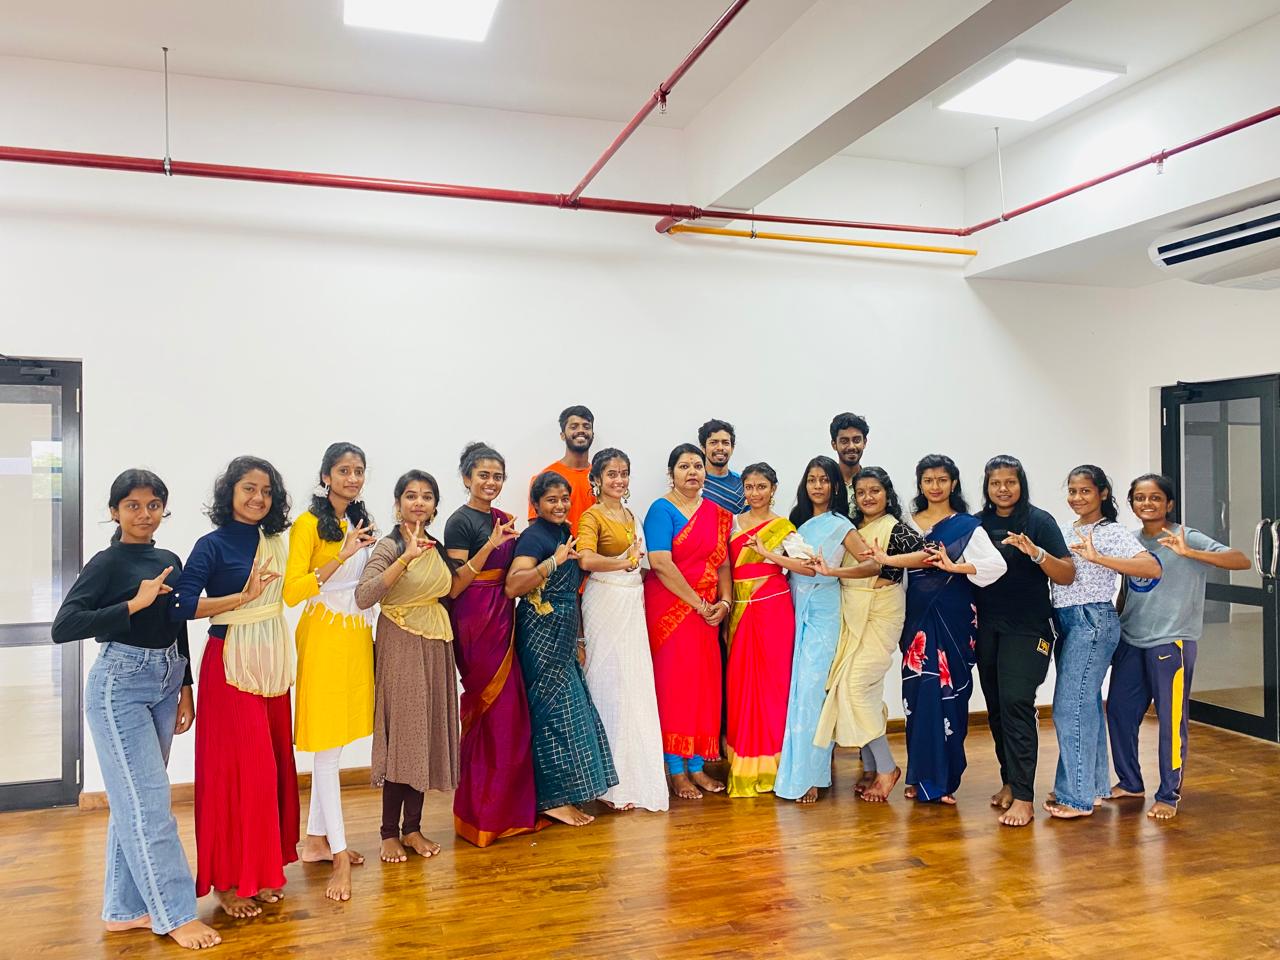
[(328, 548)]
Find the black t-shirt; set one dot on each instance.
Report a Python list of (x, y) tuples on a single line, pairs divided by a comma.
[(467, 529), (97, 605), (1022, 594)]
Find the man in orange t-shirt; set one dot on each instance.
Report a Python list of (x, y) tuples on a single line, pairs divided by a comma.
[(577, 430)]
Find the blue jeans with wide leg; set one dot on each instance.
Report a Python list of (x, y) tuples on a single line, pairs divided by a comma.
[(1089, 635), (131, 707)]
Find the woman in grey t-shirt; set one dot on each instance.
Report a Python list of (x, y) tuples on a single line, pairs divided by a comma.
[(1160, 626)]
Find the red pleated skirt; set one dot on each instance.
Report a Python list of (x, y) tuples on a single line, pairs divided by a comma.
[(246, 792)]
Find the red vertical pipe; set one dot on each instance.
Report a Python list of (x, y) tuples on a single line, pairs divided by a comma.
[(658, 96)]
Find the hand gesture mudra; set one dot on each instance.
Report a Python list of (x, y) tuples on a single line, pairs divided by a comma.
[(1022, 543), (567, 551), (1085, 548), (634, 556), (502, 533), (148, 590), (1177, 542), (260, 574), (820, 567), (938, 558), (875, 553), (358, 537), (416, 542)]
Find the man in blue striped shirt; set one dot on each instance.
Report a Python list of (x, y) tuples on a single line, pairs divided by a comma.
[(723, 486)]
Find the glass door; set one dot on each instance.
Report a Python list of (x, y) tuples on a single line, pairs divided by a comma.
[(1219, 443), (40, 488)]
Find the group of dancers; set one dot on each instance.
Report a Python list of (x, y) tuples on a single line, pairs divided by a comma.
[(607, 657)]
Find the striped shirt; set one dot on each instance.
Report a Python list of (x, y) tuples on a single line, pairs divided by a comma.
[(725, 491)]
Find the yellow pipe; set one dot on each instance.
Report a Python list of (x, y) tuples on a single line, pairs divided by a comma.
[(800, 238)]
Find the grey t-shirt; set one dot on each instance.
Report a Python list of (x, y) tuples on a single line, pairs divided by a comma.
[(1170, 607)]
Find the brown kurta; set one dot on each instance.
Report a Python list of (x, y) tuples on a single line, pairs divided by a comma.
[(415, 711)]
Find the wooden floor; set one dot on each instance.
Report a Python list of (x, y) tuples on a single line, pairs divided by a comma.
[(757, 878)]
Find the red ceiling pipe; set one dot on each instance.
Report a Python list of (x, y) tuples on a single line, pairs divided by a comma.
[(1156, 158), (659, 96)]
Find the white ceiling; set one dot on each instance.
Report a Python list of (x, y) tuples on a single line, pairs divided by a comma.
[(1144, 36), (581, 58)]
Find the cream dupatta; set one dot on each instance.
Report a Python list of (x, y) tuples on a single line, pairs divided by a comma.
[(258, 654)]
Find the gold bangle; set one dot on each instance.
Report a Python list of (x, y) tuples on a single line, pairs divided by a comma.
[(401, 559), (470, 567)]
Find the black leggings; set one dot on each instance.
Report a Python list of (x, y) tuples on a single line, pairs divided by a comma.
[(1013, 660), (394, 797)]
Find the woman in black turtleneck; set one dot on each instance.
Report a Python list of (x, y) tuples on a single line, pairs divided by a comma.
[(137, 697)]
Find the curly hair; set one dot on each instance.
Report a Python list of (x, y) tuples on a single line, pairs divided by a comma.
[(219, 508)]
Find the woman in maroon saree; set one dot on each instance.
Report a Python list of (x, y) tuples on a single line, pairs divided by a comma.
[(495, 796)]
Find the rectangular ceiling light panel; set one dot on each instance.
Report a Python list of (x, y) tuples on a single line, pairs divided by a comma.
[(1026, 89), (453, 19)]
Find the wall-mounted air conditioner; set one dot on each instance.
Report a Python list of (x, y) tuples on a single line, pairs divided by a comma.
[(1242, 250)]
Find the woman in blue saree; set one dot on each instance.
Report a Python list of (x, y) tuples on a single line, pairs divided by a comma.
[(571, 759), (939, 636), (821, 518)]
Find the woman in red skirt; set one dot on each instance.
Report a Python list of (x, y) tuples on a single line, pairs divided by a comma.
[(246, 792)]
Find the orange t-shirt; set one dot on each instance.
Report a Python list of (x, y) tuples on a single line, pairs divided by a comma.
[(580, 496)]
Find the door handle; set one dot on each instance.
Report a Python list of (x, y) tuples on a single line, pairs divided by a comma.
[(1257, 545), (1275, 547)]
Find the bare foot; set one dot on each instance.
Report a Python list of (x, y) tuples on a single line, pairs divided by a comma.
[(810, 796), (269, 895), (316, 850), (392, 852), (569, 814), (339, 887), (1003, 798), (1120, 793), (867, 779), (1018, 814), (195, 935), (1053, 798), (1162, 811), (1063, 812), (882, 786), (115, 926), (948, 799), (683, 787), (420, 845), (234, 905), (909, 791), (709, 784)]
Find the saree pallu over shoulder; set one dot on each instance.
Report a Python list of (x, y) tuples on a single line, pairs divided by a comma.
[(258, 656), (938, 651), (495, 796), (413, 602), (685, 648), (751, 572)]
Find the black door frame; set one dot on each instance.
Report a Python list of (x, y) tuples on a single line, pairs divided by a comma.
[(48, 793), (1267, 389)]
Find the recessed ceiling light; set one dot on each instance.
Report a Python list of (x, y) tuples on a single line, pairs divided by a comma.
[(1027, 89), (454, 19)]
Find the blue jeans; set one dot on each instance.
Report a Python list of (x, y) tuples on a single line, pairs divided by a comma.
[(131, 707), (1090, 633)]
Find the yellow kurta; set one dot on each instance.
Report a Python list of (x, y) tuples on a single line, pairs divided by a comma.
[(334, 704)]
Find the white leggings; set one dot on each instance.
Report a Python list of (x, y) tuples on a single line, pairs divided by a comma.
[(325, 819)]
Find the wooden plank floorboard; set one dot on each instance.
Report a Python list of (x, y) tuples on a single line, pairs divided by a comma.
[(745, 878)]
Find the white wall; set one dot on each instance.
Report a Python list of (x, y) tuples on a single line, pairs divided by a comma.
[(216, 319)]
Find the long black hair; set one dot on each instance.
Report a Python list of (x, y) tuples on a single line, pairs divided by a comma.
[(220, 510), (802, 512), (939, 461), (406, 478), (1098, 477), (135, 478), (1005, 461), (329, 526), (892, 505)]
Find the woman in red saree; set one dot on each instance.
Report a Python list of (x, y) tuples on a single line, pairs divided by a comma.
[(495, 796), (686, 595), (762, 630)]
